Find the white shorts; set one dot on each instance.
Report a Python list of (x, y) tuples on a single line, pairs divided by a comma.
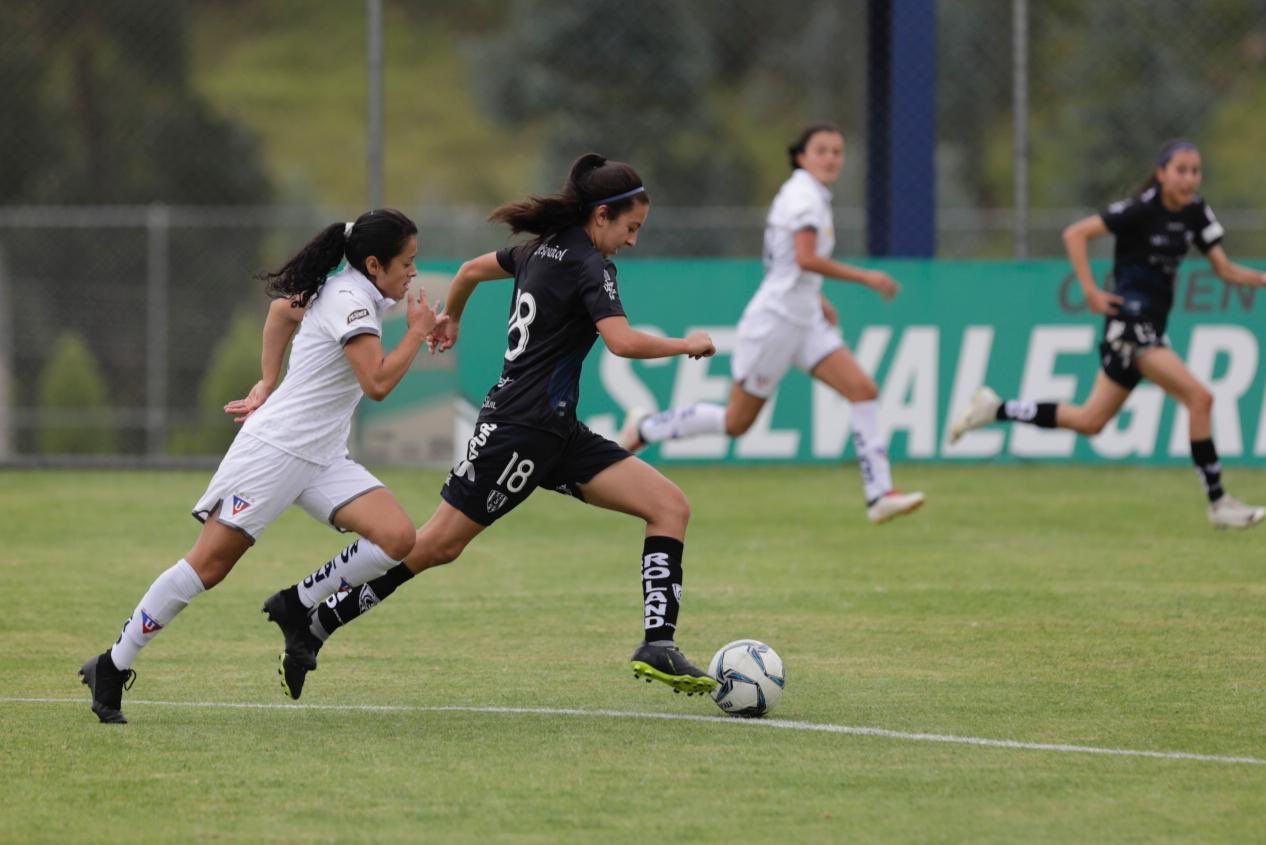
[(256, 482), (769, 344)]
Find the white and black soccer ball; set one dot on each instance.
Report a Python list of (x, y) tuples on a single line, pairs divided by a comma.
[(750, 678)]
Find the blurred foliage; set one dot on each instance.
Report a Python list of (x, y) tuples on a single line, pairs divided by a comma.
[(232, 369), (73, 386), (109, 116)]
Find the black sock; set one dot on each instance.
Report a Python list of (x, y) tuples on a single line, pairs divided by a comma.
[(1040, 414), (1206, 460), (329, 615), (661, 587)]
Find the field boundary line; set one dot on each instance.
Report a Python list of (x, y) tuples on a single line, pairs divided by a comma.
[(754, 724)]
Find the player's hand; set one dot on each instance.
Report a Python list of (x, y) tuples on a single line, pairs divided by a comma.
[(444, 335), (243, 408), (1102, 302), (828, 311), (699, 345), (883, 284), (419, 315)]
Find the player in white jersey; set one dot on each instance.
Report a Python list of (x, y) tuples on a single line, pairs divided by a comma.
[(293, 450), (789, 322), (564, 296)]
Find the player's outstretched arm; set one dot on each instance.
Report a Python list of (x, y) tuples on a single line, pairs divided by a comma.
[(807, 258), (1076, 237), (627, 342), (279, 329), (379, 373), (1232, 273), (484, 268)]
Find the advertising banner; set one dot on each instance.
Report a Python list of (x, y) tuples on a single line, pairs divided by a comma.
[(1020, 327)]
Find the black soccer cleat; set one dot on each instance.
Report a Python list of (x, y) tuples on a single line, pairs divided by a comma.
[(667, 664), (301, 647), (106, 684)]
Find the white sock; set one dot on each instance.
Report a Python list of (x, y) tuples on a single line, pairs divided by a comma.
[(166, 597), (690, 421), (871, 443), (360, 562)]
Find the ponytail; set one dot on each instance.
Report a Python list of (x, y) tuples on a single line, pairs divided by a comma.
[(382, 234), (592, 182)]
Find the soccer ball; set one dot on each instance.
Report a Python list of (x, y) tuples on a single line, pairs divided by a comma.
[(749, 676)]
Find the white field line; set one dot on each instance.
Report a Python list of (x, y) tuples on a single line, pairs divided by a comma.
[(782, 724)]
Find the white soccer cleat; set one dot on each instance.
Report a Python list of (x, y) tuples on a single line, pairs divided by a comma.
[(630, 436), (894, 503), (1230, 512), (980, 411)]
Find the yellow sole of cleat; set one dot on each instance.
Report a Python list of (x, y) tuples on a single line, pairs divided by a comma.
[(688, 684), (281, 673)]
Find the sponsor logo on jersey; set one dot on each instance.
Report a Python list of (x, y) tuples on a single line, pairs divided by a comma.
[(549, 252), (496, 501), (239, 504), (358, 314), (466, 466), (148, 623)]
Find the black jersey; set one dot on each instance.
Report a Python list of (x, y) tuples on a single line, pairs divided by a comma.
[(562, 287), (1151, 241)]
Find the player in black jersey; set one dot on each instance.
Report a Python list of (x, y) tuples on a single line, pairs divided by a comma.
[(527, 434), (1153, 231)]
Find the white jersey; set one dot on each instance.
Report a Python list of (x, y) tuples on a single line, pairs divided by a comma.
[(802, 203), (310, 415)]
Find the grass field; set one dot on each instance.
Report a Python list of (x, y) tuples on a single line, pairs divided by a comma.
[(1062, 606)]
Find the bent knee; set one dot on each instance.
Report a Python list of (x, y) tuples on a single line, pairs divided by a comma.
[(672, 508), (397, 542), (867, 392), (1200, 402)]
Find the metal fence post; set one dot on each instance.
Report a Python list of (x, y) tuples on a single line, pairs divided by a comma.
[(1020, 118), (374, 119), (157, 273)]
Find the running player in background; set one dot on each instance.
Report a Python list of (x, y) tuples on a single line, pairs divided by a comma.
[(789, 322), (294, 449), (527, 434), (1153, 231)]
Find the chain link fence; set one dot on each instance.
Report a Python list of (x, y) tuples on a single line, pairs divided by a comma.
[(167, 152)]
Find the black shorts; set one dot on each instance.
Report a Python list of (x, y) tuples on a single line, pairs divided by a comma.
[(504, 463), (1123, 341)]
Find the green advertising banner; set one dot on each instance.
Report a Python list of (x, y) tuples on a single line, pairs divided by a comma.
[(1020, 327)]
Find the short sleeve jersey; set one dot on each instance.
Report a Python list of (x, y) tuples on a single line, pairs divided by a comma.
[(801, 203), (562, 287), (310, 415), (1151, 241)]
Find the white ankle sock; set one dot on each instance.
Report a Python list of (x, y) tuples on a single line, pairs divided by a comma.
[(166, 597), (690, 421), (871, 445), (360, 562)]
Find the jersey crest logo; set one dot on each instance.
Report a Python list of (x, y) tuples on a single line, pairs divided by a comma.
[(358, 314), (496, 500), (148, 623), (239, 505), (608, 284)]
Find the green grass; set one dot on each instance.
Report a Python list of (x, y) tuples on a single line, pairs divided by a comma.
[(1088, 606)]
